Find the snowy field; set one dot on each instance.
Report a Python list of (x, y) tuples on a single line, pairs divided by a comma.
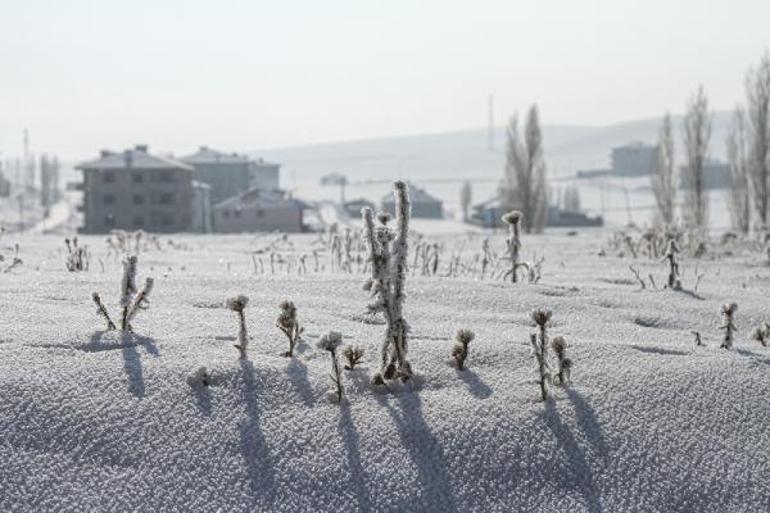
[(92, 421)]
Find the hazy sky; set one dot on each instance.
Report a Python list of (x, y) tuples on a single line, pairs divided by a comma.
[(250, 74)]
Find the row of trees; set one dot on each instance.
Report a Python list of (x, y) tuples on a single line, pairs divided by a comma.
[(748, 154)]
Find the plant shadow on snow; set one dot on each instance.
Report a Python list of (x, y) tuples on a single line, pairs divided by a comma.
[(351, 439), (424, 450), (754, 356), (579, 477), (658, 350), (474, 383), (254, 448), (132, 363), (203, 398), (297, 372), (588, 422)]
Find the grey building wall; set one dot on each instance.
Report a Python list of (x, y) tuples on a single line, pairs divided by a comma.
[(421, 209), (266, 176), (202, 218), (633, 159), (285, 217), (154, 200), (226, 179)]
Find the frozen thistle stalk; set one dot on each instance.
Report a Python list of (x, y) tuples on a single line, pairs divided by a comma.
[(387, 254), (238, 304), (540, 345), (102, 311), (762, 334), (353, 355), (674, 281), (728, 313), (559, 346), (460, 349), (142, 302), (127, 288), (330, 342), (513, 220), (77, 256), (287, 322)]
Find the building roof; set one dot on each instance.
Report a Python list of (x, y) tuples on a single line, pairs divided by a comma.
[(260, 198), (416, 195), (206, 155), (136, 158)]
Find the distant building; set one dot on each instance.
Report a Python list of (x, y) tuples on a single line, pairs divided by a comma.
[(593, 173), (488, 214), (353, 207), (133, 190), (423, 204), (334, 179), (634, 159), (202, 217), (230, 174), (715, 175), (258, 210)]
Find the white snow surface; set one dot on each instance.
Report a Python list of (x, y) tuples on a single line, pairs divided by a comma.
[(94, 421)]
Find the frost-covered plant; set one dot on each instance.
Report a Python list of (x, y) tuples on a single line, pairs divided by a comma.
[(762, 334), (559, 346), (353, 355), (674, 281), (101, 310), (130, 301), (330, 342), (127, 288), (238, 304), (17, 261), (77, 256), (540, 345), (200, 377), (287, 322), (728, 313), (513, 220), (460, 349), (698, 339), (387, 253)]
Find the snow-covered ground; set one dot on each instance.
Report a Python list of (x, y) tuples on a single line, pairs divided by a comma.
[(95, 421)]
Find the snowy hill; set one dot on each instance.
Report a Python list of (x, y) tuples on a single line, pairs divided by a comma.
[(96, 422)]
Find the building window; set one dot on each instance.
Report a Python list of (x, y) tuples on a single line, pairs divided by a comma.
[(166, 176), (137, 177), (138, 199), (109, 199), (109, 177), (166, 198), (109, 220), (138, 221)]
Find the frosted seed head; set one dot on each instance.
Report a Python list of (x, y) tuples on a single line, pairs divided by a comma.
[(383, 217), (558, 344), (541, 317), (330, 341), (465, 336), (237, 303), (512, 217), (729, 308)]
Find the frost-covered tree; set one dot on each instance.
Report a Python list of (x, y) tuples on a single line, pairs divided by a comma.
[(738, 194), (663, 177), (525, 187), (466, 197), (758, 96), (571, 199), (697, 132), (387, 253)]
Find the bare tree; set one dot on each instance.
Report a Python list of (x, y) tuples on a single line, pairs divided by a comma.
[(524, 188), (466, 197), (738, 200), (758, 95), (663, 178), (697, 132)]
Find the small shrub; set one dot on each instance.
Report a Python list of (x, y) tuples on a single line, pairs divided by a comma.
[(728, 313), (287, 322), (559, 346), (77, 256), (353, 355), (238, 304), (460, 349), (330, 342)]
